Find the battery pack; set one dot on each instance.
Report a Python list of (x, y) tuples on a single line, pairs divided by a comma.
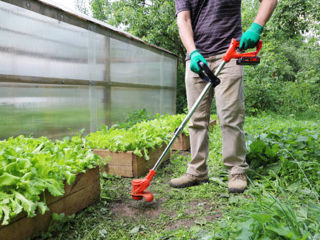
[(248, 61)]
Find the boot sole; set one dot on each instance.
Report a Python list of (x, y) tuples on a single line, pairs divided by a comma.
[(190, 184), (236, 190)]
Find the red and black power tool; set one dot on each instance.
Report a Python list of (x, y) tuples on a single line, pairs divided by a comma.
[(243, 58)]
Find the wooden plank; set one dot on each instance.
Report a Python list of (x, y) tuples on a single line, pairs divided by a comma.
[(77, 201), (84, 192), (120, 170), (127, 164), (82, 180), (212, 123), (26, 227), (118, 163), (115, 158), (182, 143), (142, 166)]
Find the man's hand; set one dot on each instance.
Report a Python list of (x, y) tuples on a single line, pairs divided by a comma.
[(251, 37), (195, 57)]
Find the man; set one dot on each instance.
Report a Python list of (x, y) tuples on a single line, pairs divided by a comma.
[(206, 28)]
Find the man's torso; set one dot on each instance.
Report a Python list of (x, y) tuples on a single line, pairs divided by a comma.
[(214, 24)]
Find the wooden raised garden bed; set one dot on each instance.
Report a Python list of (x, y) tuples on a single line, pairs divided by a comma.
[(126, 164), (212, 123), (182, 143), (84, 191)]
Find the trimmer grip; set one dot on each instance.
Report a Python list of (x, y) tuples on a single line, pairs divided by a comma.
[(232, 51), (207, 75)]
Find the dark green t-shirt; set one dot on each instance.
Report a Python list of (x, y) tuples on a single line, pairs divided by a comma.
[(218, 22)]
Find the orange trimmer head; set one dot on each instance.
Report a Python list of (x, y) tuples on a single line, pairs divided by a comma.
[(139, 187)]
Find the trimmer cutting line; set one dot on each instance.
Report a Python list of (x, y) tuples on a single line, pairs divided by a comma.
[(139, 186)]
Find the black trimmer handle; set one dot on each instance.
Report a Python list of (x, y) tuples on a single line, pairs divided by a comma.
[(207, 75)]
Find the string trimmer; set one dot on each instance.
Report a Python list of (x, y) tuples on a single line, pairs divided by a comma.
[(139, 186)]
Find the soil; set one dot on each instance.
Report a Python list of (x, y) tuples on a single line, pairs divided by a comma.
[(137, 210), (144, 210)]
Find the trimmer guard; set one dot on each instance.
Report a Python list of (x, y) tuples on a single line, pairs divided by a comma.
[(140, 185)]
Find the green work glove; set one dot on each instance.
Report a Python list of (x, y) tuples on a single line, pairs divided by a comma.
[(251, 37), (195, 57)]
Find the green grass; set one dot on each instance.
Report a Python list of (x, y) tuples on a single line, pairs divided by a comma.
[(271, 208)]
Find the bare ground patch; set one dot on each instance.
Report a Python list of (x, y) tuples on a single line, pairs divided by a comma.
[(137, 210)]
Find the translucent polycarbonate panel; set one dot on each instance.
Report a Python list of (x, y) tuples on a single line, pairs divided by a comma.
[(49, 110), (168, 100), (35, 45), (132, 64), (169, 71), (125, 100)]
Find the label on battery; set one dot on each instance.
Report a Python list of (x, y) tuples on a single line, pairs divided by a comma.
[(248, 61)]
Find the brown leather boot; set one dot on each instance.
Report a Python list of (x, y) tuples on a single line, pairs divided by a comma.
[(237, 183), (187, 180)]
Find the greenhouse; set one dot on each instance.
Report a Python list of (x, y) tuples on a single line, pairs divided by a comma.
[(61, 71)]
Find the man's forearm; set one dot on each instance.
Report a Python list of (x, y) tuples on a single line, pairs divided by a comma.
[(265, 11), (185, 31)]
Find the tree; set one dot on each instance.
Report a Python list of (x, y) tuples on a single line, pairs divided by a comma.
[(294, 17), (81, 5)]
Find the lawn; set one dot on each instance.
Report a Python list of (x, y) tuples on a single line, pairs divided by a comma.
[(281, 202)]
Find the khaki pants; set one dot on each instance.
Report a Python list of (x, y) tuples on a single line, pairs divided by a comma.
[(230, 108)]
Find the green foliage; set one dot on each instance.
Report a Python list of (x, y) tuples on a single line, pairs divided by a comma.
[(136, 117), (29, 166), (271, 218), (81, 6), (283, 200), (285, 98), (140, 138), (295, 16), (291, 154), (287, 80)]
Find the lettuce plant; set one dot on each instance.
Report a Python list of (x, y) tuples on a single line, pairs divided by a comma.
[(29, 166), (139, 138)]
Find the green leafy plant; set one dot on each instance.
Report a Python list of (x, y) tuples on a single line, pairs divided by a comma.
[(292, 154), (136, 117), (30, 166), (271, 218), (140, 138)]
